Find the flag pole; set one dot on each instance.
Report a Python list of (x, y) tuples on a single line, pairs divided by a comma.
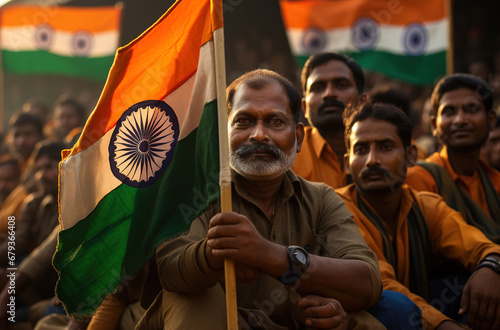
[(2, 98), (225, 173), (449, 51)]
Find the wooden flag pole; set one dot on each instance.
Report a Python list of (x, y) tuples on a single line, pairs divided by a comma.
[(2, 85), (449, 51), (225, 173)]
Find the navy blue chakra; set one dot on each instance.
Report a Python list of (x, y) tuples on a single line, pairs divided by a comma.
[(365, 33), (143, 143), (81, 43), (415, 39), (44, 36), (314, 40)]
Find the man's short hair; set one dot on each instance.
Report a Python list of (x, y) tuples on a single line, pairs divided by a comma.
[(321, 58), (391, 95), (378, 111), (462, 80), (66, 101), (23, 118), (49, 148), (258, 79)]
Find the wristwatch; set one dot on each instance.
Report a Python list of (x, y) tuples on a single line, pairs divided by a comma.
[(490, 262), (299, 260)]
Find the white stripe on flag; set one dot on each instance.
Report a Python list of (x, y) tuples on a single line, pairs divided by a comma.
[(202, 93), (391, 37), (23, 39)]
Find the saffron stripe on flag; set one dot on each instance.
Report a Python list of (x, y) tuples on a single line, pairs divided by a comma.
[(382, 11)]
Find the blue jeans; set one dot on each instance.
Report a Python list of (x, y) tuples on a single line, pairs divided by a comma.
[(396, 311)]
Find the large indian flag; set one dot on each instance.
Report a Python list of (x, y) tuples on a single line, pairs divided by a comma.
[(73, 41), (147, 162), (406, 40)]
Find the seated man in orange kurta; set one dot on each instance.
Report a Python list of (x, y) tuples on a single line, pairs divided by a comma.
[(406, 228), (462, 118), (330, 81)]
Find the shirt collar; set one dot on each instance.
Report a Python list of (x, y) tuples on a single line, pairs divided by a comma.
[(290, 186), (319, 144)]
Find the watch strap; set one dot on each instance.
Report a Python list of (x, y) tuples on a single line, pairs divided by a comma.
[(296, 269)]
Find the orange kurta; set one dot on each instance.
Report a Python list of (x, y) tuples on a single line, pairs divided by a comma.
[(449, 235), (420, 179), (317, 162)]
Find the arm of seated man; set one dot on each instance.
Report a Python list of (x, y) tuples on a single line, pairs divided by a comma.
[(233, 236), (481, 298)]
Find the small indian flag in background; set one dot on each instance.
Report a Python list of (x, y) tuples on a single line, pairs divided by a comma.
[(73, 41), (406, 40)]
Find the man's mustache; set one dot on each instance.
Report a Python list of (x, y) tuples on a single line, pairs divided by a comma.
[(258, 148), (331, 103), (374, 170)]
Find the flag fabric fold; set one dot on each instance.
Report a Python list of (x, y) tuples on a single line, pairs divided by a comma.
[(147, 162), (406, 40), (73, 41)]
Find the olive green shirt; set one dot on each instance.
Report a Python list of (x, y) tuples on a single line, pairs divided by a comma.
[(307, 214)]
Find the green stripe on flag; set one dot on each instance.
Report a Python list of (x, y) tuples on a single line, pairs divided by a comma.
[(129, 223), (422, 70), (43, 62)]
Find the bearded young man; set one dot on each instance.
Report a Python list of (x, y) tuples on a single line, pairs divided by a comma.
[(408, 229)]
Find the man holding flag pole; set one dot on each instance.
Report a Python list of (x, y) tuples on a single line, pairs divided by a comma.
[(298, 255)]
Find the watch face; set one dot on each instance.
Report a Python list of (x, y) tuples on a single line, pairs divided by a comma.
[(301, 257)]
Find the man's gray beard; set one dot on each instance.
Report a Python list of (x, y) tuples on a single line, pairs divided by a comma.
[(264, 168)]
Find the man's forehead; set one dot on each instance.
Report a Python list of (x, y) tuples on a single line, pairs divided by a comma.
[(459, 96), (332, 68), (24, 128), (373, 130), (270, 95)]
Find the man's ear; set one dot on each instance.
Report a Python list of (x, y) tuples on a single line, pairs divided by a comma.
[(304, 108), (346, 163), (411, 155), (433, 125), (299, 135)]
